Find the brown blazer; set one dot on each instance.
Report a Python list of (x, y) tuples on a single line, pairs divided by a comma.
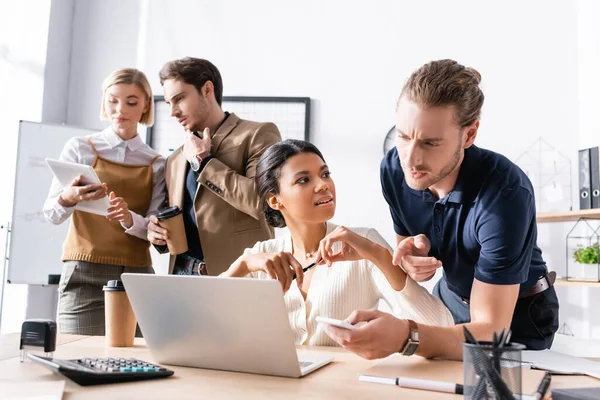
[(229, 215)]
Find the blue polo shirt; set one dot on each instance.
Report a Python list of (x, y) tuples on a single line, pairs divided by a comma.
[(484, 228)]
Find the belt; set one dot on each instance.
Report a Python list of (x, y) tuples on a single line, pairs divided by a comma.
[(543, 283), (186, 265)]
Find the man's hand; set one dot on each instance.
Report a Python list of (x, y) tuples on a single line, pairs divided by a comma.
[(156, 234), (412, 255), (383, 334), (193, 145)]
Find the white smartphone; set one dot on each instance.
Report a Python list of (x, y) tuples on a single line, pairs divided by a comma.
[(336, 322)]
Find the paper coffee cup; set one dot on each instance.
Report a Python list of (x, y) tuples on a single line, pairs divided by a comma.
[(171, 219), (119, 319)]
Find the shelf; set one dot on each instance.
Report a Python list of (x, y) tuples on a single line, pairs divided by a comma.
[(568, 215), (564, 282)]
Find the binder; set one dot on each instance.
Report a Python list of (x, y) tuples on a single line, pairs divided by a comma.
[(585, 182), (595, 176)]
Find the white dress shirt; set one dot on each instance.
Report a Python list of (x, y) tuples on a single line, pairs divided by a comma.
[(110, 146), (346, 286)]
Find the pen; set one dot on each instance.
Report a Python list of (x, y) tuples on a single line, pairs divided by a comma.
[(306, 269), (414, 383), (543, 387)]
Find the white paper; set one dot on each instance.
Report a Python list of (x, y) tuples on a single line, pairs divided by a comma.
[(44, 390), (561, 363)]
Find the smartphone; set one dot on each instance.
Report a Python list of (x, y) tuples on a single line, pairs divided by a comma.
[(336, 322)]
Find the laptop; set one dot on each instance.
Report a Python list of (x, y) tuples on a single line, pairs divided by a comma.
[(232, 324)]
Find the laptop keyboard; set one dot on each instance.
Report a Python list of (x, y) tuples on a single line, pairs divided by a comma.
[(304, 364)]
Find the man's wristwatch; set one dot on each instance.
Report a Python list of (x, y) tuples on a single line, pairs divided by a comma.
[(195, 162), (412, 343)]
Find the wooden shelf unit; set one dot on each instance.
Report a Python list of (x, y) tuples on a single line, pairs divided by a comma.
[(567, 216)]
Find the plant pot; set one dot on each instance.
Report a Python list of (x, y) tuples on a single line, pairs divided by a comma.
[(584, 272)]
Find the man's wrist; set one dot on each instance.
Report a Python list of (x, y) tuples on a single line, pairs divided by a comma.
[(202, 155), (410, 346)]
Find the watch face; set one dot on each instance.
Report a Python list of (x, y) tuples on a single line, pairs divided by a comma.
[(195, 164), (410, 348), (390, 140)]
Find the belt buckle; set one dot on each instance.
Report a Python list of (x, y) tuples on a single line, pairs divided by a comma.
[(199, 268)]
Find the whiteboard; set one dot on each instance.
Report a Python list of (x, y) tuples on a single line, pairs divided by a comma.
[(36, 245)]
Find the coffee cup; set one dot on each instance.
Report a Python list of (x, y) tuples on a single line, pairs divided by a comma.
[(119, 319), (171, 219)]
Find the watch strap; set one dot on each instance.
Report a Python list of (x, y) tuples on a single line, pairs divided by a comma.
[(412, 343)]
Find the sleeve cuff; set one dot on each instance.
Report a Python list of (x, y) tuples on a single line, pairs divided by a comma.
[(501, 278), (61, 211), (139, 226), (400, 230)]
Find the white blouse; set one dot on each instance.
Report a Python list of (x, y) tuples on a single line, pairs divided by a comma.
[(110, 146), (347, 286)]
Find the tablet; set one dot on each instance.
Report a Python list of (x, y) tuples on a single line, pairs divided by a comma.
[(66, 172)]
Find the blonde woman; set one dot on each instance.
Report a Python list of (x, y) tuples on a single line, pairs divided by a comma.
[(97, 248), (355, 269)]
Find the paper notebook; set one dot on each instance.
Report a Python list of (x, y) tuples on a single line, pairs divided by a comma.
[(440, 370)]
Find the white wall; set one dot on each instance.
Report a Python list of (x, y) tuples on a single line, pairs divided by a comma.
[(23, 41), (352, 59)]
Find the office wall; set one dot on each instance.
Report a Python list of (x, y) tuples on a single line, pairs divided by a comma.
[(23, 42), (352, 59)]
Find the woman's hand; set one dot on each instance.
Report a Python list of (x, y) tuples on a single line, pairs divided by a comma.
[(281, 266), (76, 193), (354, 247), (119, 211)]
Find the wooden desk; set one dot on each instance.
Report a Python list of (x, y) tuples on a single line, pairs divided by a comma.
[(335, 381)]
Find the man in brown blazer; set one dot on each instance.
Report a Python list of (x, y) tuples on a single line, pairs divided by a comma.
[(211, 177)]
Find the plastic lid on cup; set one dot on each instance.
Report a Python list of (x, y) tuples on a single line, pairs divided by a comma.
[(168, 212), (114, 286)]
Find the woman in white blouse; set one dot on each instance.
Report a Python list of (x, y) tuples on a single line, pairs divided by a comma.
[(355, 269), (97, 248)]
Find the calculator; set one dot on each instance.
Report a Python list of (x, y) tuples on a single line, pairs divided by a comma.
[(96, 371)]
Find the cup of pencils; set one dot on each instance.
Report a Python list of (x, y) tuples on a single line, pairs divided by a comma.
[(492, 370)]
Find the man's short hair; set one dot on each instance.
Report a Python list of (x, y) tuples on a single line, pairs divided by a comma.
[(194, 71)]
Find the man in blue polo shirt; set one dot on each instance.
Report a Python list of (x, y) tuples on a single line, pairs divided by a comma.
[(465, 209)]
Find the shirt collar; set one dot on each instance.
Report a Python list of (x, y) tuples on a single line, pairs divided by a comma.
[(469, 177), (115, 141)]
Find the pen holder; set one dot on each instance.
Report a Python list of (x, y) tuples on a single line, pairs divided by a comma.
[(489, 371)]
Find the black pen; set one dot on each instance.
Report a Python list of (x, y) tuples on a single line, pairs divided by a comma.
[(543, 387), (311, 266)]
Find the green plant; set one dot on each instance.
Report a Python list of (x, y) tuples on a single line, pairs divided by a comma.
[(588, 255)]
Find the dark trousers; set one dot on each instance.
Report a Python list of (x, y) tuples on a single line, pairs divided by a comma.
[(534, 322)]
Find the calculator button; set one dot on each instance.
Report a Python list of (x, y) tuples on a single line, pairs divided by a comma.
[(149, 369), (137, 369), (125, 369)]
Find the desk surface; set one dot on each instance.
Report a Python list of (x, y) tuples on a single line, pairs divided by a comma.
[(337, 380)]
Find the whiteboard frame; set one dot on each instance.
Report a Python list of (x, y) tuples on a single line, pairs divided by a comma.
[(150, 132), (10, 266)]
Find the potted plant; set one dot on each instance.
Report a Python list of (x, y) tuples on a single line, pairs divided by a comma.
[(588, 257)]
